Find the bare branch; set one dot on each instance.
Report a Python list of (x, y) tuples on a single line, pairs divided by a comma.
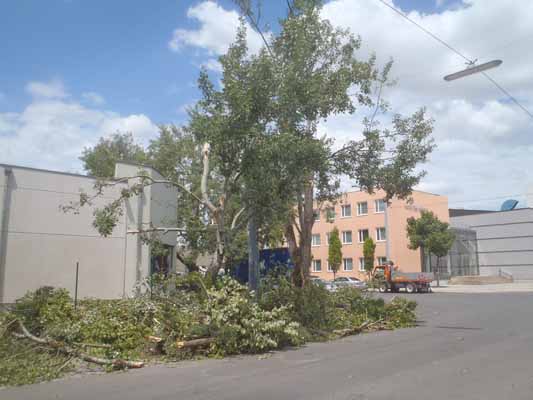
[(205, 173), (236, 217)]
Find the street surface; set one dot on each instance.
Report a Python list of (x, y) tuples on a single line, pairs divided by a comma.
[(469, 346)]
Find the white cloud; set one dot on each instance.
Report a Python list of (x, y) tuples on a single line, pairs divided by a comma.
[(49, 90), (216, 32), (484, 141), (212, 64), (93, 98), (51, 132)]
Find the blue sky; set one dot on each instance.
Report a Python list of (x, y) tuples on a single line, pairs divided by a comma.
[(117, 49), (72, 71)]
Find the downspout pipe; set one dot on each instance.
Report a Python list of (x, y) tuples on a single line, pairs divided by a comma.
[(4, 223)]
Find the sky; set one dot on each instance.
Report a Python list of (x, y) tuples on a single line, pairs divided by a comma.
[(72, 71)]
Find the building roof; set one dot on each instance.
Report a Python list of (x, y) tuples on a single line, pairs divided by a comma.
[(461, 212), (46, 170)]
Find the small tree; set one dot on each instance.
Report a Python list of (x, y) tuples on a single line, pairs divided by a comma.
[(430, 234), (440, 243), (334, 251), (369, 250)]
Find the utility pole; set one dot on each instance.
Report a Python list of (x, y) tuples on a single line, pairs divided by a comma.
[(387, 233), (253, 255)]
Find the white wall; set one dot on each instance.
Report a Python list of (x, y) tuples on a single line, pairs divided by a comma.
[(504, 241), (43, 243), (40, 244)]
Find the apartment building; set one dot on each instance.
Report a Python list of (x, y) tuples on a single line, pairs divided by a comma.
[(358, 215)]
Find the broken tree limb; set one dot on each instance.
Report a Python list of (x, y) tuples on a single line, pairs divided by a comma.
[(356, 329), (116, 363), (187, 344)]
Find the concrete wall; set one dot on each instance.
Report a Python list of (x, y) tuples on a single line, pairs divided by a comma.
[(398, 213), (505, 241), (40, 244)]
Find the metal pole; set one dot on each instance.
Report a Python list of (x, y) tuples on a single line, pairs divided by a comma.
[(253, 256), (76, 287), (387, 233)]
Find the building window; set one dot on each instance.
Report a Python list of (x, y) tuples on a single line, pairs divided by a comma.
[(329, 268), (362, 208), (328, 235), (363, 235), (316, 215), (380, 206), (382, 260), (346, 237), (346, 211), (347, 264), (315, 240), (362, 264), (381, 234), (330, 214), (317, 265)]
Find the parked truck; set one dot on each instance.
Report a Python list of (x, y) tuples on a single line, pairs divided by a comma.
[(391, 279)]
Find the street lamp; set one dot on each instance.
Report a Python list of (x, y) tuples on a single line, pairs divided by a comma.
[(473, 69)]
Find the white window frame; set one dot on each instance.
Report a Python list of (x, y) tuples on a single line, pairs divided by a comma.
[(344, 239), (362, 264), (344, 262), (379, 201), (315, 262), (382, 258), (344, 207), (378, 238), (313, 240), (328, 235), (330, 214), (359, 235), (359, 213), (329, 267)]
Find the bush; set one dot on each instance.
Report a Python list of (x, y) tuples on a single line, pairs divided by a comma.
[(182, 309), (309, 306), (241, 326)]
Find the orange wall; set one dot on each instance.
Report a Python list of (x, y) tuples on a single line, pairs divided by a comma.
[(398, 213)]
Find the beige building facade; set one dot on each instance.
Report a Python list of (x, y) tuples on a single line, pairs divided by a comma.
[(40, 244), (358, 215)]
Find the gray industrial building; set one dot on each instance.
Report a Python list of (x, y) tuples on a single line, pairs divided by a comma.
[(40, 244), (504, 239)]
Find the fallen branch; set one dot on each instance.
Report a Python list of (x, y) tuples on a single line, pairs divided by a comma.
[(187, 344), (62, 348), (356, 329), (96, 346)]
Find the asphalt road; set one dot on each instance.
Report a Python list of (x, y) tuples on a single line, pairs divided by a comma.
[(469, 346)]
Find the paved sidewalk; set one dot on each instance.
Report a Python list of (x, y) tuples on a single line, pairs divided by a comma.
[(518, 286)]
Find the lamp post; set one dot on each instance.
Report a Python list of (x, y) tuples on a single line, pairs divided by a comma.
[(473, 69)]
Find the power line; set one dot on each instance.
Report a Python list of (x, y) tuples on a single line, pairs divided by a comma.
[(468, 60)]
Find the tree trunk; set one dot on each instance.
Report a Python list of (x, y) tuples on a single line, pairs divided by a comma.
[(307, 231), (294, 250)]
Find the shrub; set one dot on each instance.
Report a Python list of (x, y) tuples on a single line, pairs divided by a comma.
[(241, 326), (310, 306)]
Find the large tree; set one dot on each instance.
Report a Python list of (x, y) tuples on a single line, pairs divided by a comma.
[(100, 160), (318, 75)]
